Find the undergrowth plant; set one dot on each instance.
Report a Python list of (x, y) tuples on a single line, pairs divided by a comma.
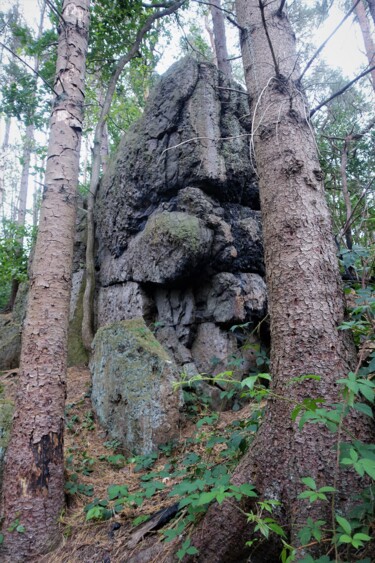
[(201, 476)]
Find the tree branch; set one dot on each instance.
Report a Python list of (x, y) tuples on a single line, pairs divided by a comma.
[(30, 67), (261, 6), (55, 11), (318, 51), (339, 92), (281, 7)]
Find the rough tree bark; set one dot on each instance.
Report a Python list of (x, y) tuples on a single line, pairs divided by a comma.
[(87, 321), (360, 12), (221, 51), (33, 487), (305, 300), (371, 5)]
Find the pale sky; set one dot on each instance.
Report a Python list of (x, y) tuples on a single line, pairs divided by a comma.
[(345, 50)]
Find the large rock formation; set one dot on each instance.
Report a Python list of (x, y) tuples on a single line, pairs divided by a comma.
[(132, 386), (178, 223)]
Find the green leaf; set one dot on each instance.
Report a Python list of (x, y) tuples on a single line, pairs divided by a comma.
[(345, 539), (345, 525), (361, 536), (117, 491), (367, 392), (369, 466), (363, 408), (327, 490), (309, 482), (205, 498)]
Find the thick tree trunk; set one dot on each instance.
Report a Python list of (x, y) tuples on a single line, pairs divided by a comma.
[(33, 488), (305, 300), (360, 12), (221, 50)]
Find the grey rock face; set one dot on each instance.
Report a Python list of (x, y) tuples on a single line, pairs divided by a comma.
[(178, 224), (10, 331), (132, 386), (194, 134)]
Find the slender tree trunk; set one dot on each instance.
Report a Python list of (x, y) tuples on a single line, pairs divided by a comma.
[(6, 133), (221, 50), (24, 184), (345, 191), (26, 158), (33, 487), (368, 40), (3, 158), (87, 321), (305, 302), (211, 37)]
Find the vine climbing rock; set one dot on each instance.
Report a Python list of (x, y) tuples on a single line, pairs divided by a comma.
[(178, 226)]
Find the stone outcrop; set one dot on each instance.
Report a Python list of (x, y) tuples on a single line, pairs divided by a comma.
[(178, 223), (132, 386), (10, 331)]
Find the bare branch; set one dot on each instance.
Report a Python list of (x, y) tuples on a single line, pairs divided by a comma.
[(339, 92), (30, 67), (229, 12), (318, 51), (281, 7), (261, 6), (55, 11), (350, 220)]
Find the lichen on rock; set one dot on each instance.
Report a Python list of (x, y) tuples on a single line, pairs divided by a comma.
[(133, 386)]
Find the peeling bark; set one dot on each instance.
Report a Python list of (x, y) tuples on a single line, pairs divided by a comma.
[(33, 489), (305, 303)]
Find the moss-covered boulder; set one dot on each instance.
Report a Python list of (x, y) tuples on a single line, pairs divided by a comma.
[(10, 330), (77, 354), (6, 416), (10, 342), (171, 247), (132, 386)]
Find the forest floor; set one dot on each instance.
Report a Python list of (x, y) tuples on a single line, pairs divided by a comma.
[(95, 464)]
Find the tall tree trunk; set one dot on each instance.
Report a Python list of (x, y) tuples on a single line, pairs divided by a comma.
[(345, 192), (6, 133), (221, 50), (33, 486), (211, 37), (3, 158), (368, 41), (24, 183), (87, 321), (305, 301)]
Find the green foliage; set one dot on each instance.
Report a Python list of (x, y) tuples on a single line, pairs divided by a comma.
[(15, 526), (73, 487), (15, 246)]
